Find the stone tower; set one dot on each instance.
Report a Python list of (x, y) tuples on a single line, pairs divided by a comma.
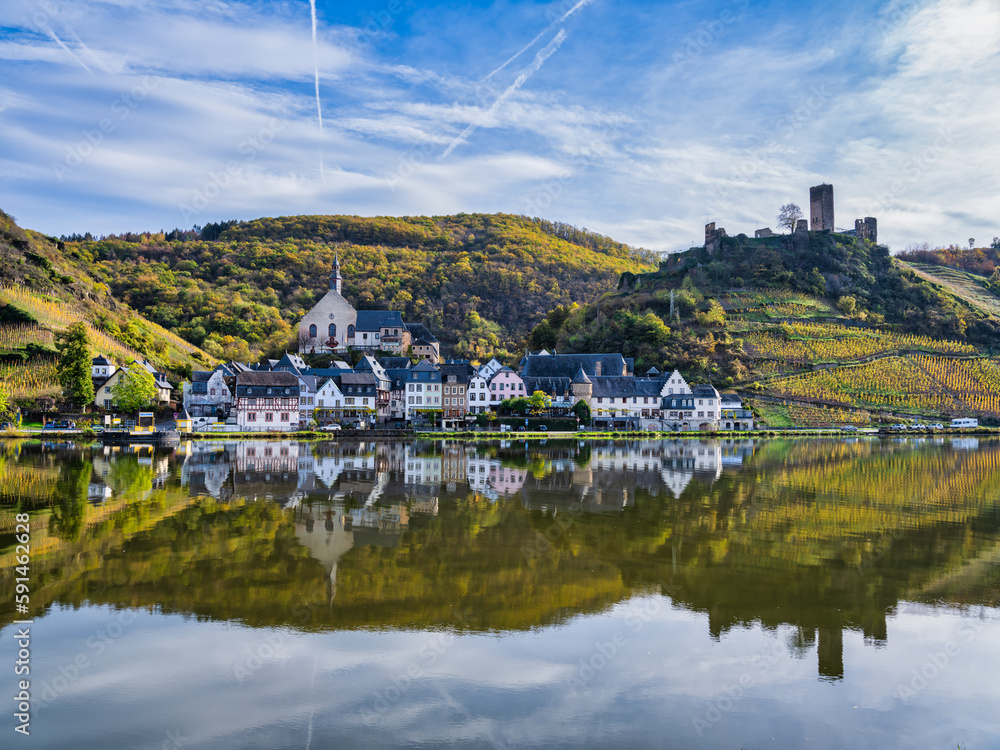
[(336, 280), (821, 207), (582, 386)]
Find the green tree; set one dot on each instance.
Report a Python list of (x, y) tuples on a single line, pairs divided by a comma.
[(135, 389), (539, 402), (582, 410), (74, 364), (847, 304)]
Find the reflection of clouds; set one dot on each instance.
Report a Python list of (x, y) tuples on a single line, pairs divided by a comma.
[(170, 672)]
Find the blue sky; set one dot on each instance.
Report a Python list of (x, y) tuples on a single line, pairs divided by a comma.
[(639, 120)]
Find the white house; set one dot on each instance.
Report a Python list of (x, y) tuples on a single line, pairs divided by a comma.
[(267, 401), (329, 402), (101, 367), (208, 395)]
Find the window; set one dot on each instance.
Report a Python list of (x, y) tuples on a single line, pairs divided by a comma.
[(312, 331), (332, 330), (107, 403), (252, 417), (284, 417), (268, 416), (213, 391), (350, 331)]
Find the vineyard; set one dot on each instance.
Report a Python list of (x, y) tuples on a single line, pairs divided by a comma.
[(34, 379), (773, 303), (20, 336), (814, 342), (922, 383), (803, 415)]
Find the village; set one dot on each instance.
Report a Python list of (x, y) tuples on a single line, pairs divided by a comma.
[(400, 381)]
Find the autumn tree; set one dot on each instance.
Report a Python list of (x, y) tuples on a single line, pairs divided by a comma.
[(788, 216), (135, 389), (74, 366)]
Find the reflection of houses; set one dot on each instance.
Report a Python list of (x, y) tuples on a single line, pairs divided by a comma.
[(206, 469)]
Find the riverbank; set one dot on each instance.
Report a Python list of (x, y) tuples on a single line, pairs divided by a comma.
[(370, 435)]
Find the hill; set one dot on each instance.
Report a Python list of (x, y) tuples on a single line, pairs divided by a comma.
[(809, 321), (479, 282), (46, 286)]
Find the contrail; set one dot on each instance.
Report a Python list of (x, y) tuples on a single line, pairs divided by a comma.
[(88, 50), (57, 40), (543, 54), (319, 108), (543, 32)]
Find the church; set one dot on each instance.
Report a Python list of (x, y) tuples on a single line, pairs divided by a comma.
[(333, 325)]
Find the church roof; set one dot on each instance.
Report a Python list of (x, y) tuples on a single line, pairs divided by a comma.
[(581, 377)]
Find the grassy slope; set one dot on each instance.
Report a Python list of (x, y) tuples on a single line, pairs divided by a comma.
[(966, 286), (45, 287)]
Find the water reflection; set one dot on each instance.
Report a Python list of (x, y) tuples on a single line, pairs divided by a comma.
[(823, 537)]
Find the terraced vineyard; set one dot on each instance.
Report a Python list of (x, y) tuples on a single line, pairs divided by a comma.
[(921, 383), (33, 379), (815, 342), (773, 303)]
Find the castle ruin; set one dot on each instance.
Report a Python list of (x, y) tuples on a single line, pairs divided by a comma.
[(820, 220)]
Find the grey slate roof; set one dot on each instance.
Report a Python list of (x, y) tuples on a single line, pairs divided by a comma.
[(566, 365), (624, 387), (704, 391), (100, 359), (462, 371), (581, 377), (373, 320), (551, 386), (395, 363), (420, 331), (256, 382)]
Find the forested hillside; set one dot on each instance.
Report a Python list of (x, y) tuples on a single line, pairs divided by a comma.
[(479, 282)]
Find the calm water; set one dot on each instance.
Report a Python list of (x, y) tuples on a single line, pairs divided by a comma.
[(674, 594)]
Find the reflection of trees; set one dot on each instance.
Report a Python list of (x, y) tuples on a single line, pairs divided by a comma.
[(820, 536), (70, 498), (129, 478)]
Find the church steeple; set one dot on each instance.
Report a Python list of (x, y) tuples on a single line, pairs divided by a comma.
[(336, 280)]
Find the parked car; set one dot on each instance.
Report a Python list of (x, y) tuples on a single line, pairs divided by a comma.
[(543, 428), (918, 426), (333, 426), (849, 428), (936, 426), (897, 427)]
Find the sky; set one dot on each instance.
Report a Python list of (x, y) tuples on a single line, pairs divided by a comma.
[(639, 120)]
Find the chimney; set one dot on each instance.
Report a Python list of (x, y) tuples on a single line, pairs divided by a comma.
[(597, 368)]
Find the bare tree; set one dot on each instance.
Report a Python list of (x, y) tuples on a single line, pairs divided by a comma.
[(788, 216), (972, 241)]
